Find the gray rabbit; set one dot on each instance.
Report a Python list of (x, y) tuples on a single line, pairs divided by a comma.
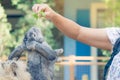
[(41, 57)]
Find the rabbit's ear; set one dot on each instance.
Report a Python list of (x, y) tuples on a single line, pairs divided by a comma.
[(13, 66), (25, 38), (59, 51), (3, 65)]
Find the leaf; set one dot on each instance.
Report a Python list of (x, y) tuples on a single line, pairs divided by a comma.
[(40, 14), (35, 16)]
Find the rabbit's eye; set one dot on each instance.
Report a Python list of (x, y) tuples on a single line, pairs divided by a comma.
[(34, 35)]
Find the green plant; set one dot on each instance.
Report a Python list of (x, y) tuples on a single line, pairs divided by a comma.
[(6, 39), (112, 13)]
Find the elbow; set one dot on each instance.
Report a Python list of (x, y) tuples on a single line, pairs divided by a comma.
[(109, 48)]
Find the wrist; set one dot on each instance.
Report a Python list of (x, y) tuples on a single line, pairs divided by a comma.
[(53, 17)]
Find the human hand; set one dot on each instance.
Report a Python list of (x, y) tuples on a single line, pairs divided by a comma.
[(49, 13)]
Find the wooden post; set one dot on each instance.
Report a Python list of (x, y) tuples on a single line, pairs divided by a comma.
[(85, 77), (72, 61)]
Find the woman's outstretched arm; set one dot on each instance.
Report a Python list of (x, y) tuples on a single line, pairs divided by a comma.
[(94, 37)]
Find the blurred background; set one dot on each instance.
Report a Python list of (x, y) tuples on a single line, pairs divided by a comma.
[(79, 61)]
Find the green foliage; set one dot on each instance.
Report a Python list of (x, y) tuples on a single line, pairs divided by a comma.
[(6, 39), (113, 13), (29, 20), (27, 4)]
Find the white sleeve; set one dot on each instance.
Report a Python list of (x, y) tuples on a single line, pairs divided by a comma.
[(113, 34)]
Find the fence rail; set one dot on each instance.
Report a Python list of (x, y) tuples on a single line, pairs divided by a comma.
[(72, 61), (75, 60)]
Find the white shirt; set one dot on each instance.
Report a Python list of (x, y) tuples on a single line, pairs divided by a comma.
[(114, 70)]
